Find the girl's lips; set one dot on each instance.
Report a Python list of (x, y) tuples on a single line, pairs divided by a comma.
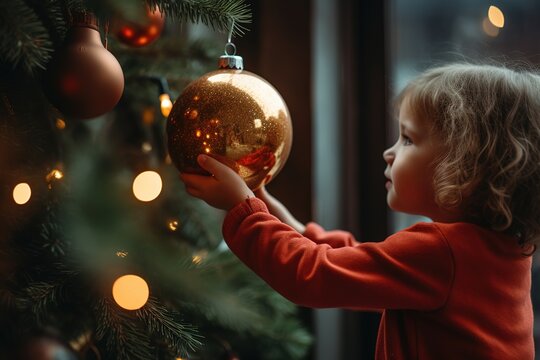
[(388, 184)]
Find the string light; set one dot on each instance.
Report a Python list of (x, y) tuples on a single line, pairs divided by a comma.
[(496, 16), (165, 104), (54, 174), (199, 257), (147, 186), (130, 292), (60, 124), (22, 193), (173, 225)]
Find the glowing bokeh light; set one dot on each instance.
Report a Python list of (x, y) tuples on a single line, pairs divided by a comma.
[(60, 124), (22, 193), (130, 292), (54, 174), (173, 225), (146, 147), (165, 104), (147, 186), (496, 16)]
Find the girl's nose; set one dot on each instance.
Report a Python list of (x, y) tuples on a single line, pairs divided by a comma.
[(388, 155)]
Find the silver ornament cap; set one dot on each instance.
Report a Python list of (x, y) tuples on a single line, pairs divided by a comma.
[(230, 60)]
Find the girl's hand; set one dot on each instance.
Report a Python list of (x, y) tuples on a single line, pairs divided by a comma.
[(223, 190)]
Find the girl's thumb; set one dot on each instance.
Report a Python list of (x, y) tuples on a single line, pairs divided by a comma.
[(205, 162), (210, 164)]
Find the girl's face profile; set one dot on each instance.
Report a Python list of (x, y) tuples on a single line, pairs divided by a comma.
[(410, 167)]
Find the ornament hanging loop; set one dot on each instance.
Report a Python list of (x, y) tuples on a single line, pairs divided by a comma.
[(230, 60), (230, 47)]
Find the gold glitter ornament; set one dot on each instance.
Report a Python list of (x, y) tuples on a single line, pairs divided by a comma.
[(234, 116)]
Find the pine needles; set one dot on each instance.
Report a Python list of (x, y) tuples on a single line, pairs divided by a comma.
[(25, 41), (32, 30)]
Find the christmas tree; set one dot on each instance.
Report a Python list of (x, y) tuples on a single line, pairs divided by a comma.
[(92, 265)]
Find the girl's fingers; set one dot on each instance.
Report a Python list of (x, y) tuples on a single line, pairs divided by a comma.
[(212, 165), (197, 181)]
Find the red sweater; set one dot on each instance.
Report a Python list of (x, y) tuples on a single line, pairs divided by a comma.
[(447, 291)]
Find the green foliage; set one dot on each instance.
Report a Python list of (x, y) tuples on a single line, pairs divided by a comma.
[(32, 30), (218, 14), (25, 41), (60, 254)]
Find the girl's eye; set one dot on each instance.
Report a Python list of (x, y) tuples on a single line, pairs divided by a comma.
[(406, 140)]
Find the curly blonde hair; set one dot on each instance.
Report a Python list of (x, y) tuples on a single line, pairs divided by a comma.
[(489, 119)]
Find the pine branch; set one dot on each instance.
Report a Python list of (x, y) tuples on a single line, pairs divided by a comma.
[(24, 39), (177, 60), (218, 14), (159, 320), (43, 298), (40, 296), (123, 338)]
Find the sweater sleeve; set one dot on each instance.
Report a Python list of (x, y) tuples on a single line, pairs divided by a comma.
[(334, 238), (412, 269)]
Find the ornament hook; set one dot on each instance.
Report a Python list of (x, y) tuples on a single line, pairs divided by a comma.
[(230, 60), (230, 32), (230, 46)]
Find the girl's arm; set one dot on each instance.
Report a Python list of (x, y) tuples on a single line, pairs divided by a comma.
[(313, 231), (411, 269), (279, 210), (225, 189)]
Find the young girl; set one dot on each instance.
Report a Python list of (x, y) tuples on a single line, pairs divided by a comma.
[(467, 157)]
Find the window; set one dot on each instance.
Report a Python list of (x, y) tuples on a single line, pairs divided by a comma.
[(426, 32)]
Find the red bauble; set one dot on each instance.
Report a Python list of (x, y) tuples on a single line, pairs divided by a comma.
[(84, 80), (142, 32)]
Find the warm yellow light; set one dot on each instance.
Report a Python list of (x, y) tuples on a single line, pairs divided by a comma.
[(55, 174), (22, 193), (197, 259), (166, 104), (257, 123), (496, 16), (146, 147), (147, 186), (173, 225), (121, 254), (130, 292), (60, 124)]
